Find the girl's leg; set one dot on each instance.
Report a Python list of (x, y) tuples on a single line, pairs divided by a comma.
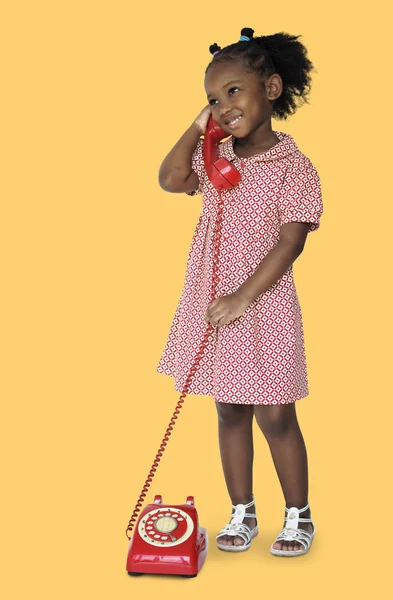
[(281, 429), (237, 453)]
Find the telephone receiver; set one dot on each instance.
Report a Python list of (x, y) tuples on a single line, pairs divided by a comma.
[(221, 172)]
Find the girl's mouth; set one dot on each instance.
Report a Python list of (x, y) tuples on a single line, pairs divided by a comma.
[(235, 123)]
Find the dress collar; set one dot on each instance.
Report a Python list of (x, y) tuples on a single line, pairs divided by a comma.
[(283, 148)]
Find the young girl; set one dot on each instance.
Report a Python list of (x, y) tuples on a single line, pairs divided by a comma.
[(255, 362)]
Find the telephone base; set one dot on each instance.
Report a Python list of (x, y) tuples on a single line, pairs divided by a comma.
[(168, 540), (185, 576)]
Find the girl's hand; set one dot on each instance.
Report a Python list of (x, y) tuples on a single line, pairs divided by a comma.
[(202, 119), (225, 309)]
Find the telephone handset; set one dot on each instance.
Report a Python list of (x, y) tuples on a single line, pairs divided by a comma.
[(221, 172), (168, 538)]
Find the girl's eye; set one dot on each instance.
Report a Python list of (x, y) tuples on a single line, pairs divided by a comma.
[(230, 89)]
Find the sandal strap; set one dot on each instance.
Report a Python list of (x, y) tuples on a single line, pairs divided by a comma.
[(295, 532), (299, 509), (246, 505), (296, 535), (240, 529), (301, 520)]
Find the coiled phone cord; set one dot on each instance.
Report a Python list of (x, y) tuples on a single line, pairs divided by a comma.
[(191, 373)]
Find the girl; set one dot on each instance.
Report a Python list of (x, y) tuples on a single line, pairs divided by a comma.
[(255, 364)]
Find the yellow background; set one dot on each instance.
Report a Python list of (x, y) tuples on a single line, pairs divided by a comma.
[(93, 256)]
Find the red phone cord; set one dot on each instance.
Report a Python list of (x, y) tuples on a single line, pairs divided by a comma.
[(192, 371)]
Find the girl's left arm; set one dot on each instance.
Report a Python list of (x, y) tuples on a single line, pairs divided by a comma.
[(292, 239)]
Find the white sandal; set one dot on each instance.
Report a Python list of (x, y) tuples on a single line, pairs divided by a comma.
[(236, 527), (291, 533)]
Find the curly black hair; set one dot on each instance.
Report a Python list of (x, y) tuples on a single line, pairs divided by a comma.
[(280, 53)]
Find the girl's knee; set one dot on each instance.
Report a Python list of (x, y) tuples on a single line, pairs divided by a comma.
[(233, 414), (275, 420)]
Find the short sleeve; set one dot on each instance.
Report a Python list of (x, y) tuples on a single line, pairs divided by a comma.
[(301, 195), (199, 167)]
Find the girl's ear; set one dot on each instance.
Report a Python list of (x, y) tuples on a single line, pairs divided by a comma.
[(274, 86)]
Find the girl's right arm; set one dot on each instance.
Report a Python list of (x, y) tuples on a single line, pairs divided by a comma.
[(176, 173)]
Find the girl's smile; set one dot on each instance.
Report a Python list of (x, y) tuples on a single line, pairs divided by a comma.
[(234, 124)]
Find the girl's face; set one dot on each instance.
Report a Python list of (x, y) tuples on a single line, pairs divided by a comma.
[(233, 92)]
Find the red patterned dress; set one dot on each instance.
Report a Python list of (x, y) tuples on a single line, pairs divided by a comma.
[(259, 358)]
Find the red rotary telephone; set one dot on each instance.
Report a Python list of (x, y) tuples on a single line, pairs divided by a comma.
[(168, 538)]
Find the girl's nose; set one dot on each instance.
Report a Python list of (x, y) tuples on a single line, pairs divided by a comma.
[(225, 111), (224, 114)]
